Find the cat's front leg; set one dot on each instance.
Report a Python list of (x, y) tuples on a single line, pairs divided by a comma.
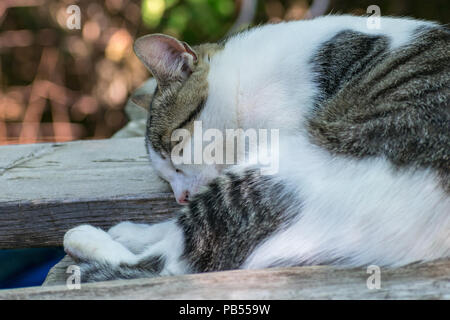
[(88, 243), (101, 258)]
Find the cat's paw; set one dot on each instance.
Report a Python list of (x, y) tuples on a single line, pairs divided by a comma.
[(130, 235), (87, 243)]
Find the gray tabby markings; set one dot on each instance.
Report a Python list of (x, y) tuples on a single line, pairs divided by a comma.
[(345, 57), (227, 221), (393, 104), (93, 271), (178, 104)]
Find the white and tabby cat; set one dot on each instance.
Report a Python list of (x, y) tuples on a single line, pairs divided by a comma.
[(364, 178)]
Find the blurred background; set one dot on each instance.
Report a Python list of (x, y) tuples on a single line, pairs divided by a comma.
[(58, 84), (61, 84)]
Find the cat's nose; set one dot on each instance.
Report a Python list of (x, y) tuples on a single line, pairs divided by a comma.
[(184, 198)]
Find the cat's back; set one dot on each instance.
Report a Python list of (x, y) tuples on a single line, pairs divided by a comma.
[(272, 66), (295, 37), (360, 91), (389, 103)]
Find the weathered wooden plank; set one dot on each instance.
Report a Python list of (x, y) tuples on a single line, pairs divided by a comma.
[(40, 224), (416, 281), (45, 189), (85, 169), (58, 273)]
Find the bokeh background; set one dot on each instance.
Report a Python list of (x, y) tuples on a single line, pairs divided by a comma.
[(58, 84)]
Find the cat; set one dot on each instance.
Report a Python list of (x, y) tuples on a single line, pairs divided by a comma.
[(364, 151)]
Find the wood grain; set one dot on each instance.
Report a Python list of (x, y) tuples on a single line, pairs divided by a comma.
[(46, 189), (416, 281)]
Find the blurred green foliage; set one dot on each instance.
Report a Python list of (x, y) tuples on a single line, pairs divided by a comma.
[(197, 21), (191, 20)]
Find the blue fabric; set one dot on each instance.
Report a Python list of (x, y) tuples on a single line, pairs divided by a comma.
[(27, 267)]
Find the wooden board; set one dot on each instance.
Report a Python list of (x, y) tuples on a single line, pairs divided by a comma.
[(46, 189), (416, 281)]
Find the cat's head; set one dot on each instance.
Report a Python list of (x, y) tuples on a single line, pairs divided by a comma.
[(179, 97)]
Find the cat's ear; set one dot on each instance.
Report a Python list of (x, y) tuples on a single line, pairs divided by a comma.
[(167, 58)]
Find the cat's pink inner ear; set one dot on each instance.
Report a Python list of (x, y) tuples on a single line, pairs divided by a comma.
[(190, 51), (166, 57)]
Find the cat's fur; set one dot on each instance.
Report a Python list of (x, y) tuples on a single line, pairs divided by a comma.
[(364, 178)]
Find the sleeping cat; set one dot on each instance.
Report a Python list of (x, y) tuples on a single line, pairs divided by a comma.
[(364, 151)]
